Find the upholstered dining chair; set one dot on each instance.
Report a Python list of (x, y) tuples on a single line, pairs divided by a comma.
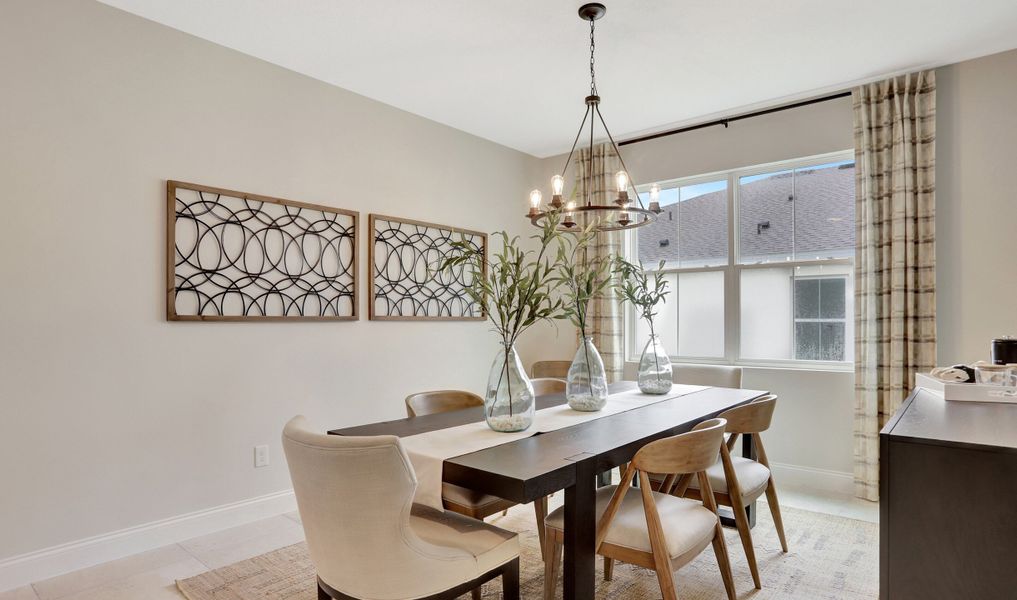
[(456, 498), (429, 403), (366, 537), (737, 482), (650, 529), (548, 385), (711, 375), (559, 369)]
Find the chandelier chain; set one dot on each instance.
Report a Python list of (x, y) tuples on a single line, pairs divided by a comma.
[(593, 46)]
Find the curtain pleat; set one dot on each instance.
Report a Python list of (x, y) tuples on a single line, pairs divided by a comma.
[(604, 321), (895, 261)]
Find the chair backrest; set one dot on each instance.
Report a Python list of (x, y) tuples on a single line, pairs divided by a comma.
[(690, 452), (681, 455), (711, 375), (558, 369), (355, 495), (439, 401), (548, 385), (753, 417)]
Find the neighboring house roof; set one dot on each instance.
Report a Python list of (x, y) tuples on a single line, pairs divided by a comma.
[(813, 212)]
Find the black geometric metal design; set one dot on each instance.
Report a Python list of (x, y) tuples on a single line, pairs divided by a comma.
[(239, 256), (406, 283)]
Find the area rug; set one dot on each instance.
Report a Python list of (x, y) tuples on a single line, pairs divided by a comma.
[(830, 558)]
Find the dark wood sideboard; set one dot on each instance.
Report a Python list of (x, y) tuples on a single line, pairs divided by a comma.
[(948, 500)]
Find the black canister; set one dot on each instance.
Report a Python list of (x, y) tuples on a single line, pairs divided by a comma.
[(1004, 350)]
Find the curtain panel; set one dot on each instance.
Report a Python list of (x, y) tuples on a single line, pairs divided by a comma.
[(605, 323), (895, 263)]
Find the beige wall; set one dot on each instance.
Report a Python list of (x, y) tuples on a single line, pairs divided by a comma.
[(113, 417), (976, 205)]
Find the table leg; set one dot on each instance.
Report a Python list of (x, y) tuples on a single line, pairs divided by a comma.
[(579, 572)]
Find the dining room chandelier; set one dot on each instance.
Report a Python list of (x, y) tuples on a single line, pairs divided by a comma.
[(626, 212)]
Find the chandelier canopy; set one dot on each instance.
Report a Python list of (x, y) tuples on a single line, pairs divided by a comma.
[(623, 213)]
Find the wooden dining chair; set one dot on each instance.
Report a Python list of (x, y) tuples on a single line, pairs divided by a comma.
[(711, 375), (439, 401), (548, 385), (658, 532), (559, 369), (370, 541), (456, 498), (737, 482)]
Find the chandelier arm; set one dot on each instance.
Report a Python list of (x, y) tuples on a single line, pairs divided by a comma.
[(620, 159), (576, 141)]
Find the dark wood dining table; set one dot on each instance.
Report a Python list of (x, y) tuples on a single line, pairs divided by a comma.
[(566, 459)]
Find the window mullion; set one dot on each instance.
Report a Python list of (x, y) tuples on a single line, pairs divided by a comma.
[(732, 276)]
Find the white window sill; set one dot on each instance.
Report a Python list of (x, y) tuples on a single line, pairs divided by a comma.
[(777, 365)]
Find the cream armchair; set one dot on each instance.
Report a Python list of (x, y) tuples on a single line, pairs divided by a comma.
[(367, 539)]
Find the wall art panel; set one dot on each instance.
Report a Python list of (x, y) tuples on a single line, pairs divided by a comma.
[(406, 283), (234, 256)]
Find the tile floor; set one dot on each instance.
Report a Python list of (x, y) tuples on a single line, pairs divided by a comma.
[(152, 575)]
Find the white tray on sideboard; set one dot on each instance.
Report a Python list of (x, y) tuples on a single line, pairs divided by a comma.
[(967, 392)]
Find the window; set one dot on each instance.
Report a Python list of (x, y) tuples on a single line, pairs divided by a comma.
[(820, 318), (806, 213), (692, 229), (759, 264)]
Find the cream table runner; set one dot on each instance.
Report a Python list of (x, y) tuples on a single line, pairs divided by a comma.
[(428, 451)]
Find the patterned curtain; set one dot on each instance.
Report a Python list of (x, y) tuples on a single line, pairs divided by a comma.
[(895, 266), (604, 321)]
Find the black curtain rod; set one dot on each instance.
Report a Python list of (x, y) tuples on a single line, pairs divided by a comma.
[(728, 120)]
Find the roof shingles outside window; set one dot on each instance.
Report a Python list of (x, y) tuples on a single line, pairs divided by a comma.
[(811, 213)]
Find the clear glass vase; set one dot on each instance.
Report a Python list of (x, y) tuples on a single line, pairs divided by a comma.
[(586, 388), (508, 404), (655, 376)]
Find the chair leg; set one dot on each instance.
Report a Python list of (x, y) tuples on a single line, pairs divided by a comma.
[(720, 549), (771, 500), (744, 531), (665, 578), (552, 565), (504, 513), (540, 512), (510, 581), (608, 569)]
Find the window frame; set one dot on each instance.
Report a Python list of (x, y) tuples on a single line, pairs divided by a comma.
[(733, 270)]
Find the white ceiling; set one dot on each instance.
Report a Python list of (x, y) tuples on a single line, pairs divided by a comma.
[(516, 72)]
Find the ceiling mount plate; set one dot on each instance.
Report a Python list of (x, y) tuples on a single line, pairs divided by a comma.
[(592, 11)]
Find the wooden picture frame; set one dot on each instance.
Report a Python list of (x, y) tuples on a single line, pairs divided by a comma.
[(326, 287), (445, 300)]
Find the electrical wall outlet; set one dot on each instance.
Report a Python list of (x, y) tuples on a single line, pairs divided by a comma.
[(260, 456)]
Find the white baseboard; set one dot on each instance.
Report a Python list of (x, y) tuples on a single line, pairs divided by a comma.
[(50, 562), (808, 478)]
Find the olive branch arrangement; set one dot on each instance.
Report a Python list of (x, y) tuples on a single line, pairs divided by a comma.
[(584, 278), (637, 290), (516, 287)]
